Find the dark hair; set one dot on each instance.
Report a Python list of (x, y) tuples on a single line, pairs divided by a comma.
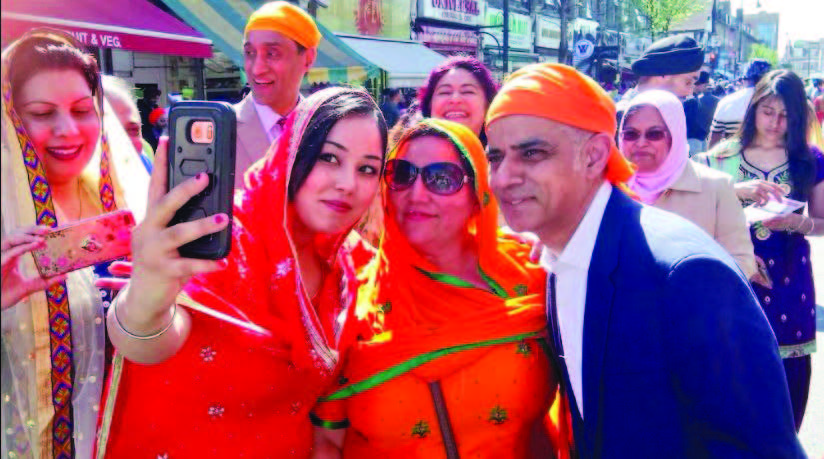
[(338, 107), (471, 65), (36, 54), (787, 86)]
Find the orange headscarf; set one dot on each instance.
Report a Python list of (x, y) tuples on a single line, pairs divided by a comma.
[(406, 310), (262, 281), (560, 93), (408, 314)]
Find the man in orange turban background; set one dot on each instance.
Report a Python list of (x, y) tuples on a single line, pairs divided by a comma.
[(663, 347), (280, 44)]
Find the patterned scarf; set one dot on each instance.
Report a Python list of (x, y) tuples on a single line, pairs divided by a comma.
[(120, 181)]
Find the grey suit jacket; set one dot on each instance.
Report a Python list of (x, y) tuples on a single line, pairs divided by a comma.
[(252, 141)]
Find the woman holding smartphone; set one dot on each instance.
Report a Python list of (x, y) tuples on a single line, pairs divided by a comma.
[(235, 372), (61, 163)]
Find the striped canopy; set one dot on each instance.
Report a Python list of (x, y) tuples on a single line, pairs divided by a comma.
[(223, 22)]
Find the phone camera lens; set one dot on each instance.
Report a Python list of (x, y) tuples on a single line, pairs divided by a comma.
[(180, 149), (208, 151)]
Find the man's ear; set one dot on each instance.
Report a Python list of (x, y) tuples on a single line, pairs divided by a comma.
[(596, 154), (309, 56)]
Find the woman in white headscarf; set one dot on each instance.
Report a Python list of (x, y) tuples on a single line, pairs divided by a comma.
[(653, 135)]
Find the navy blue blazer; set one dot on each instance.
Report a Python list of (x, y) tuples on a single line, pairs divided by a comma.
[(679, 360)]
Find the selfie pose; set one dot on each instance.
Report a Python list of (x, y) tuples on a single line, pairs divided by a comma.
[(770, 158), (445, 355), (61, 163), (226, 358)]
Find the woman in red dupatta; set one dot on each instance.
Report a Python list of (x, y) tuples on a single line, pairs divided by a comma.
[(237, 371), (439, 361)]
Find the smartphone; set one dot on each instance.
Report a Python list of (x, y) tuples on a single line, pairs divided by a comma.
[(202, 139), (85, 243)]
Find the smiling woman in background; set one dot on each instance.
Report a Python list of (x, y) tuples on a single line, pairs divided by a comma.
[(459, 90)]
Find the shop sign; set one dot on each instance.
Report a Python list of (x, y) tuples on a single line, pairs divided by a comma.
[(444, 36), (549, 33), (369, 17), (98, 39), (520, 29), (584, 49), (461, 11), (383, 18)]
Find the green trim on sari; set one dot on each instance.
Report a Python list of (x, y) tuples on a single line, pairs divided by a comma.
[(331, 425), (455, 281), (401, 368)]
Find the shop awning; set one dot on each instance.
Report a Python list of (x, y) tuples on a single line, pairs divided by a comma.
[(407, 63), (223, 22), (132, 25)]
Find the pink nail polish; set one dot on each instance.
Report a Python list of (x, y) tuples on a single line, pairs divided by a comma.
[(220, 218)]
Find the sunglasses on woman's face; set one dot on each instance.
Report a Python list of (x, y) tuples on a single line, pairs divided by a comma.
[(653, 135), (440, 178)]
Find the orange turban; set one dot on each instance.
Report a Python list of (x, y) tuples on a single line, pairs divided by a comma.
[(156, 114), (560, 93), (288, 20)]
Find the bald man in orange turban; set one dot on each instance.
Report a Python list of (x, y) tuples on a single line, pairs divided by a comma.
[(280, 44), (663, 347)]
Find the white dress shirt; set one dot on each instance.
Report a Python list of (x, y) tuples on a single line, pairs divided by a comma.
[(269, 119), (571, 269)]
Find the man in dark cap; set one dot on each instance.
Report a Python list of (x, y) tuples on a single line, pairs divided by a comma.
[(731, 109), (671, 64), (699, 110)]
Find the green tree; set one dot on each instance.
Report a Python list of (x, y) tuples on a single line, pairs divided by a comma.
[(661, 14), (759, 51)]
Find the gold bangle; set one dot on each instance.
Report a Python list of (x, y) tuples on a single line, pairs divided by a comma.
[(812, 227), (139, 337)]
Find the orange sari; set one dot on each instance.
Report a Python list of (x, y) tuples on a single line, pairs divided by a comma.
[(414, 326), (231, 391)]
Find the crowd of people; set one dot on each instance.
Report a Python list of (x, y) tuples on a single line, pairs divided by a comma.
[(493, 270)]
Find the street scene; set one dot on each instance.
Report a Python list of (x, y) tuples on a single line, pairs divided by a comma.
[(215, 243)]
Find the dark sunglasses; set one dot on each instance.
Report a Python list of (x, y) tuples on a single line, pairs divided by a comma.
[(439, 178), (653, 135)]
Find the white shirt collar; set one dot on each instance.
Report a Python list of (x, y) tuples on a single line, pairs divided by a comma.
[(578, 251), (268, 118)]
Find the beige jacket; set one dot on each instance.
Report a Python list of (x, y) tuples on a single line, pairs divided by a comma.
[(706, 197), (252, 141)]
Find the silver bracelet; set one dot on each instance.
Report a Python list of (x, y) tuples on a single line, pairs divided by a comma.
[(138, 337)]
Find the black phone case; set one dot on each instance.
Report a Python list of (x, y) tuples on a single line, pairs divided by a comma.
[(187, 159)]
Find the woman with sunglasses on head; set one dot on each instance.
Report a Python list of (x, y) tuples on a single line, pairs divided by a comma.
[(235, 372), (653, 135), (771, 157), (444, 354), (64, 159)]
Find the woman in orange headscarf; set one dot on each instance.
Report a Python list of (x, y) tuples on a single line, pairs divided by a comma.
[(233, 359), (446, 352)]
